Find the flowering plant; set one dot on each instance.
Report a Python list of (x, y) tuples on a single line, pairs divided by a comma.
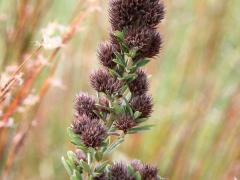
[(122, 104)]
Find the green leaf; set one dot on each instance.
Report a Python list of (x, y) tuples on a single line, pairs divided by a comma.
[(115, 145), (85, 166), (67, 167), (128, 78), (117, 108), (120, 60), (132, 53), (98, 155), (76, 139), (101, 167), (139, 129), (137, 114), (141, 120), (114, 73), (76, 176), (137, 176), (131, 170), (119, 35), (71, 157), (128, 107), (124, 88), (141, 63), (105, 144)]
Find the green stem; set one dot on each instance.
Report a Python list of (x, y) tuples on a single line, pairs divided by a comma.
[(110, 121)]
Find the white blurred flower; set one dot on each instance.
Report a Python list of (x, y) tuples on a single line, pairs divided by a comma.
[(30, 100), (19, 78), (4, 78), (7, 124), (11, 69), (58, 84), (52, 36), (42, 60)]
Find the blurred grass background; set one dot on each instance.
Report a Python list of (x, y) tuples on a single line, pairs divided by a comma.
[(195, 84)]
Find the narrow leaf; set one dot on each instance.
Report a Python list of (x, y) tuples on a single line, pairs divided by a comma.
[(67, 167)]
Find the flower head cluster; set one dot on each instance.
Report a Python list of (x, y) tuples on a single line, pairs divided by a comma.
[(138, 13), (120, 170), (92, 131), (122, 101), (139, 86), (85, 105), (147, 171), (102, 81)]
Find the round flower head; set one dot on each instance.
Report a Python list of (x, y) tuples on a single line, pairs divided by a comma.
[(146, 41), (93, 134), (142, 104), (138, 13), (79, 124), (119, 171), (124, 123), (106, 54), (92, 131), (85, 105), (102, 81), (137, 165), (139, 86), (147, 172)]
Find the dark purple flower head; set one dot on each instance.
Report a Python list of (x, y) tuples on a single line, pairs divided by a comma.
[(85, 105), (137, 165), (80, 123), (147, 172), (138, 13), (119, 171), (139, 86), (142, 104), (102, 81), (146, 41), (94, 134), (92, 131), (106, 54), (124, 123)]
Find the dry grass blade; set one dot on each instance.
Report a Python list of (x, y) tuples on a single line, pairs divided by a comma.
[(26, 87)]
